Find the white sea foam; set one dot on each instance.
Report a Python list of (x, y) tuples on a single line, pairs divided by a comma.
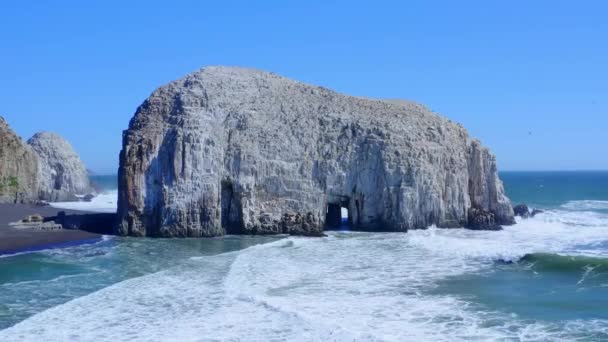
[(41, 281), (549, 232), (586, 205), (348, 286), (105, 202)]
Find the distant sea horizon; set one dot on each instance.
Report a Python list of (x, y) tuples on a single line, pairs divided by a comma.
[(534, 186)]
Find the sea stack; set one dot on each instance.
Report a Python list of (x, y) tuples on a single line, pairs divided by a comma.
[(18, 168), (242, 151), (61, 174)]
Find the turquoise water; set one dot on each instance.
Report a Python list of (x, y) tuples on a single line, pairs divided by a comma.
[(543, 279), (550, 190), (540, 287), (33, 282), (104, 182)]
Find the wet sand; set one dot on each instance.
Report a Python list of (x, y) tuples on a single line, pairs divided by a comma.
[(14, 240)]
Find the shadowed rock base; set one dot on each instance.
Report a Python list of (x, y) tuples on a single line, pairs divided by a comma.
[(99, 223)]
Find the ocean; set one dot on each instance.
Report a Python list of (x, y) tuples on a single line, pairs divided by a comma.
[(104, 202), (543, 279)]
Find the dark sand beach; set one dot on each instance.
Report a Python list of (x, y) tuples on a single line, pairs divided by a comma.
[(14, 240)]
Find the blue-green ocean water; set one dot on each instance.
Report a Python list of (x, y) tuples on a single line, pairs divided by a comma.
[(104, 182), (551, 190), (543, 279)]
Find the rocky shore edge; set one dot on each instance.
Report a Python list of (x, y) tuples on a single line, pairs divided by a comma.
[(29, 228)]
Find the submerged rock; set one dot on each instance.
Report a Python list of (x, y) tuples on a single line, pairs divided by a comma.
[(88, 198), (521, 210), (18, 167), (536, 212), (61, 173), (234, 150)]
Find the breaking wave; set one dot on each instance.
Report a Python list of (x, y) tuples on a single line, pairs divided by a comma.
[(347, 286), (105, 202), (564, 263), (586, 205)]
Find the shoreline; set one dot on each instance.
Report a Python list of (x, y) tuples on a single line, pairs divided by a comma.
[(51, 246), (15, 241)]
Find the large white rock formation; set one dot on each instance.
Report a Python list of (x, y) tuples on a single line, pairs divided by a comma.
[(234, 150), (61, 174)]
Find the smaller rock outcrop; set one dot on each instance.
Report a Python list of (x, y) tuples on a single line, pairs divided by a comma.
[(18, 167), (536, 212), (41, 203), (36, 222), (61, 173), (482, 219), (521, 210)]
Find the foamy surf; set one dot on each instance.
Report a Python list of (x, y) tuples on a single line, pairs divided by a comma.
[(549, 232), (348, 286), (105, 202), (586, 205)]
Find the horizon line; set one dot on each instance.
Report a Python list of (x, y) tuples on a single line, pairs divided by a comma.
[(514, 170)]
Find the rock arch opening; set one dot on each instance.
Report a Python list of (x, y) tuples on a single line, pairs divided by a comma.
[(231, 209), (338, 217)]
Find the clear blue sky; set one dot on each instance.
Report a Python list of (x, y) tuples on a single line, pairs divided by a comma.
[(529, 78)]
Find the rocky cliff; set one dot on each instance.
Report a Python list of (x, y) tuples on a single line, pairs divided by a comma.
[(233, 150), (18, 167), (61, 174)]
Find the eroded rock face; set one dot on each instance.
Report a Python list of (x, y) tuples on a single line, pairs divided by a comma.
[(61, 173), (18, 167), (482, 219), (233, 150)]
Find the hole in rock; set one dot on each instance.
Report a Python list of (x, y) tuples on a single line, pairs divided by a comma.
[(231, 209), (337, 217)]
